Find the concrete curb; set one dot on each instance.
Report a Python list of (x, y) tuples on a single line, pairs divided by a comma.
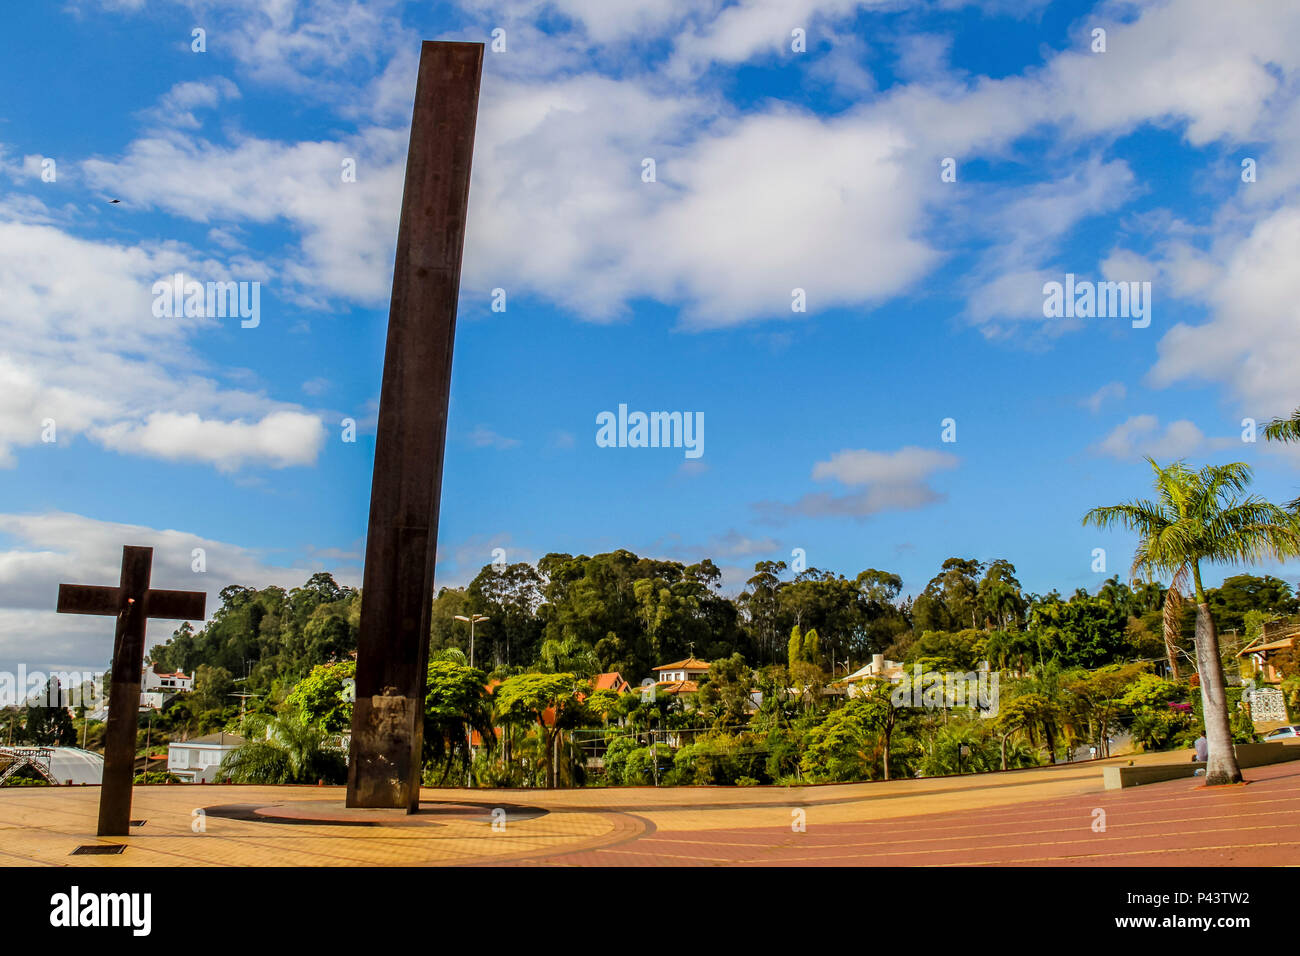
[(1248, 755)]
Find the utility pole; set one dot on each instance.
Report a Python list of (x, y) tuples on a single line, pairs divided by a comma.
[(148, 738), (654, 754)]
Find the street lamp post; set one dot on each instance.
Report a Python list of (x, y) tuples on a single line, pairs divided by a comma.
[(469, 732), (471, 620)]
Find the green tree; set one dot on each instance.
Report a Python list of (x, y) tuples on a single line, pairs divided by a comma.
[(854, 741), (325, 696), (46, 722), (950, 600), (1201, 516), (212, 687), (724, 695), (284, 750), (456, 702), (1240, 594), (1000, 597), (1155, 723), (1085, 631), (812, 647), (1097, 698), (760, 602), (532, 698), (509, 595), (616, 757), (1035, 715), (794, 647), (844, 745)]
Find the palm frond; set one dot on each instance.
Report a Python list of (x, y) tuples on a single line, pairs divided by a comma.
[(1284, 429), (1202, 516)]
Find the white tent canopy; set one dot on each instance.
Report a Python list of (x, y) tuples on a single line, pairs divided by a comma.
[(60, 764)]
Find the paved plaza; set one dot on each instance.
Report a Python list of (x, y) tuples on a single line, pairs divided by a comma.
[(1045, 816)]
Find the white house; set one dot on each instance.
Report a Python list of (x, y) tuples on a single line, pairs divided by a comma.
[(879, 668), (177, 683), (156, 688), (198, 760), (687, 670)]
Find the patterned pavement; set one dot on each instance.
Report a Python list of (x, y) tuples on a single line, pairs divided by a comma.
[(1047, 816)]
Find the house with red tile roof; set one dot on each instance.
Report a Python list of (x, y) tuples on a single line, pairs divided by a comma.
[(611, 680), (691, 669), (679, 677)]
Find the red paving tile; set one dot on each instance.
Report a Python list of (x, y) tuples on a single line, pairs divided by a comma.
[(1177, 823)]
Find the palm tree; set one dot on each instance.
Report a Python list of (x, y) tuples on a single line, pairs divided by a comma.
[(1202, 516), (1170, 625), (1285, 430), (288, 751)]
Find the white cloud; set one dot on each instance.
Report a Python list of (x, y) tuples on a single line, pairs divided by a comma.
[(1196, 61), (739, 217), (347, 230), (754, 28), (484, 437), (1140, 436), (310, 46), (730, 544), (1028, 225), (862, 467), (176, 107), (1252, 339), (600, 21), (1109, 391), (279, 440), (45, 550), (746, 208), (81, 345), (891, 481)]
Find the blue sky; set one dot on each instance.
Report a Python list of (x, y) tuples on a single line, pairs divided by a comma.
[(775, 170)]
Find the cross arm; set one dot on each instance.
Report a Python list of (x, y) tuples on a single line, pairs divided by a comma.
[(178, 605), (158, 603), (89, 599)]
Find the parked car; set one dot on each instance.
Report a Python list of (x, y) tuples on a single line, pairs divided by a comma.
[(1282, 733)]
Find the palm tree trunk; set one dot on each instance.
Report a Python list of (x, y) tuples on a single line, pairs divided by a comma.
[(1222, 766), (1173, 614), (548, 762)]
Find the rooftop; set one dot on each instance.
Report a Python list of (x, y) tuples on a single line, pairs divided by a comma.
[(690, 664)]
